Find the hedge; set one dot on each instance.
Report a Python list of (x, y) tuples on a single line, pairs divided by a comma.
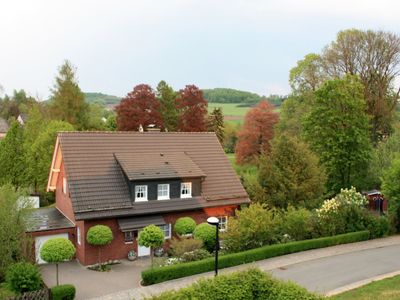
[(249, 284), (63, 292), (160, 274)]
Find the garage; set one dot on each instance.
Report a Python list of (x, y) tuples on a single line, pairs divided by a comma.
[(40, 240), (45, 224)]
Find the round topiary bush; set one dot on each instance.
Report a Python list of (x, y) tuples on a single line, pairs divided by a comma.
[(99, 235), (63, 292), (151, 236), (57, 250), (207, 234), (185, 225), (23, 277)]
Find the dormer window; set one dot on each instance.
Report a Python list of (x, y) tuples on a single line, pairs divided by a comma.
[(186, 190), (140, 193), (163, 192)]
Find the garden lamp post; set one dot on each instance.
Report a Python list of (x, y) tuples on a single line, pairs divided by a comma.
[(215, 222)]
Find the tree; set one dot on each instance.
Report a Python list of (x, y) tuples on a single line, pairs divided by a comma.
[(99, 236), (57, 250), (14, 240), (152, 237), (391, 190), (375, 57), (252, 227), (139, 108), (230, 136), (40, 153), (292, 113), (308, 75), (32, 129), (257, 131), (68, 101), (111, 123), (12, 159), (184, 225), (206, 233), (291, 174), (169, 113), (95, 117), (192, 109), (337, 131), (216, 123)]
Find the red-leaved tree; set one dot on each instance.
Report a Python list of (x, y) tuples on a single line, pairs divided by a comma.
[(257, 131), (139, 107), (192, 109)]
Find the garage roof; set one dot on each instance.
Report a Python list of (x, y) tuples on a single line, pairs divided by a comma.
[(48, 218)]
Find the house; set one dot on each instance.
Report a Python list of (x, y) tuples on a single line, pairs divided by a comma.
[(3, 128), (128, 180)]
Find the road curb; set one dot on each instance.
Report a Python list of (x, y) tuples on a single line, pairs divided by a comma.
[(360, 283)]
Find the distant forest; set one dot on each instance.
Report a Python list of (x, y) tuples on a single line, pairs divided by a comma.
[(217, 95)]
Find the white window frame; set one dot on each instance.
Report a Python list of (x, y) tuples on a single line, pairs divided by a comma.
[(132, 237), (166, 237), (78, 235), (222, 223), (144, 198), (188, 186), (64, 185), (158, 191)]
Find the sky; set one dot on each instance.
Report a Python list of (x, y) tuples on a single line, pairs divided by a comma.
[(242, 44)]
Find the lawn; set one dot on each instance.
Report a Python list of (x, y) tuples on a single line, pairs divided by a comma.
[(232, 112), (388, 289), (240, 170)]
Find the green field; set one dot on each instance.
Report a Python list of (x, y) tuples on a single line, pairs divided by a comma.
[(388, 289), (232, 112)]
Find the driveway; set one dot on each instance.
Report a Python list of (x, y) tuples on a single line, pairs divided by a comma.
[(90, 283)]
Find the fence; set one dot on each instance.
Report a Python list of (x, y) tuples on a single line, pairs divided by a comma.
[(43, 294)]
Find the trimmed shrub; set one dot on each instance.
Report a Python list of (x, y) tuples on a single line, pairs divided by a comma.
[(63, 292), (297, 223), (99, 236), (157, 275), (249, 284), (185, 225), (179, 247), (253, 227), (151, 236), (57, 250), (206, 233), (23, 277)]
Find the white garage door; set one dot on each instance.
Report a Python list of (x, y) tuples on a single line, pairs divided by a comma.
[(40, 240)]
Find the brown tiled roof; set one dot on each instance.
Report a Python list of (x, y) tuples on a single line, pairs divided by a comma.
[(155, 165), (97, 184)]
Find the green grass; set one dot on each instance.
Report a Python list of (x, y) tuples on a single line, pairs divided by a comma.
[(229, 109), (388, 289), (240, 170)]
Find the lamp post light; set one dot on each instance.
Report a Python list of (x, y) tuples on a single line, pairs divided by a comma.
[(215, 222)]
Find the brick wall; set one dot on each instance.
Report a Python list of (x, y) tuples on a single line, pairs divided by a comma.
[(63, 201)]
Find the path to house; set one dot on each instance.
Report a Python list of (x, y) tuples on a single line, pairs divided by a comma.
[(321, 270)]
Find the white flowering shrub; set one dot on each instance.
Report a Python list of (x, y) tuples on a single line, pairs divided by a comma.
[(343, 213)]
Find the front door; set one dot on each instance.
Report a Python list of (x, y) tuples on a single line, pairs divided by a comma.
[(142, 250)]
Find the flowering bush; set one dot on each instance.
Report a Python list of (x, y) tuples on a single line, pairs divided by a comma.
[(343, 213)]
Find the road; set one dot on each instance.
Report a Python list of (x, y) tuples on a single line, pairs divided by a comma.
[(329, 273)]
